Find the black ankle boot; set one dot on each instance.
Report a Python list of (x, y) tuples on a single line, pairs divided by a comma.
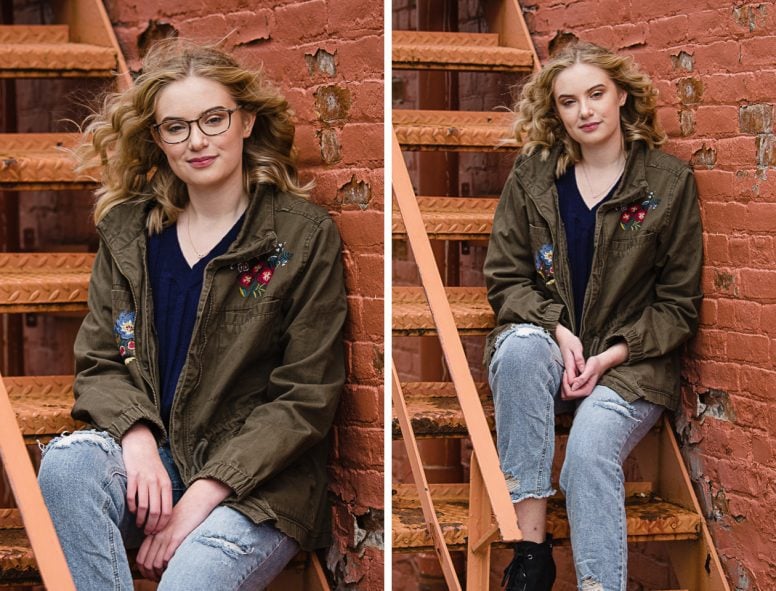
[(532, 568)]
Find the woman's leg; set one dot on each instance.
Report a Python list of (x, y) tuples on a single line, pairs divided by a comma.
[(84, 485), (228, 552), (605, 430), (525, 375)]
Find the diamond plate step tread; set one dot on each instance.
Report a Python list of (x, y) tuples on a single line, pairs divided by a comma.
[(471, 310), (424, 50), (17, 563), (15, 34), (464, 131), (34, 282), (36, 59), (42, 404), (434, 410), (40, 161), (452, 218), (649, 518)]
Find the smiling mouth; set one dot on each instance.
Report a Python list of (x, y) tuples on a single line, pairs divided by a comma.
[(203, 162)]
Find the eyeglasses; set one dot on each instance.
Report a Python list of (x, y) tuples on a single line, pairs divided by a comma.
[(213, 122)]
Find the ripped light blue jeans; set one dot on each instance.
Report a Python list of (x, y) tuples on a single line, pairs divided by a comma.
[(84, 483), (525, 377)]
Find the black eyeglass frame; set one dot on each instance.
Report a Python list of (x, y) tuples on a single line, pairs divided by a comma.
[(229, 112)]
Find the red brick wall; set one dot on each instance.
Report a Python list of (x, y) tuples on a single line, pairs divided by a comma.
[(326, 56)]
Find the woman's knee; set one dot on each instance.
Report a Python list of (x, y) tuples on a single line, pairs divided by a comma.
[(525, 347), (74, 462)]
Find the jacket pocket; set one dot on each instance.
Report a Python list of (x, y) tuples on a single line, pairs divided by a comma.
[(630, 266), (249, 331)]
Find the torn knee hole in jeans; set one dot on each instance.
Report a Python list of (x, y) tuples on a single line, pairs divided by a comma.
[(230, 547), (591, 585), (102, 440)]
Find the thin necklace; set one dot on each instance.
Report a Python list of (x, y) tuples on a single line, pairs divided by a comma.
[(188, 230), (607, 189)]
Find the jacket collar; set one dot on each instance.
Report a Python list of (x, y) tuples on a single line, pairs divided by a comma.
[(537, 177), (124, 229)]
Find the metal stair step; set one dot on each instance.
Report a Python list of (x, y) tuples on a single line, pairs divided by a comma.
[(452, 218), (44, 51), (649, 518), (462, 131), (42, 404), (17, 563), (427, 50), (44, 282), (412, 316), (40, 161), (19, 34)]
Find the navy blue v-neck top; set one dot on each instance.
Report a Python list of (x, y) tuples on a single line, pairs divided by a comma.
[(176, 288), (579, 225)]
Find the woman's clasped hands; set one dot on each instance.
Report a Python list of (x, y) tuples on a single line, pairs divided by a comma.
[(580, 375)]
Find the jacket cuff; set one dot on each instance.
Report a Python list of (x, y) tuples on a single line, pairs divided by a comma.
[(552, 317), (238, 480), (129, 417), (633, 340)]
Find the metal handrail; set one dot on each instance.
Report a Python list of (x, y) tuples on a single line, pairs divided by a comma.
[(37, 521), (457, 364)]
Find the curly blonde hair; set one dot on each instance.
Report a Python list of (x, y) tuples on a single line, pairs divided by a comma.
[(539, 126), (135, 169)]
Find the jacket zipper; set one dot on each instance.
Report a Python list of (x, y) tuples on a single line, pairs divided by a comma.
[(206, 303), (135, 300)]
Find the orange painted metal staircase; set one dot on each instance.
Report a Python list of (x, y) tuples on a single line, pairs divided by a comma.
[(473, 517)]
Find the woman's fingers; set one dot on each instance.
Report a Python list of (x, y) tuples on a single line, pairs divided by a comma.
[(166, 509), (154, 507), (131, 492), (142, 504)]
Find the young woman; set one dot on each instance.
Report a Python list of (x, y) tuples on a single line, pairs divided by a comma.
[(593, 270), (210, 363)]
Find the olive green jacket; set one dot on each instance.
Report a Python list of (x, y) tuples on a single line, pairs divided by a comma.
[(260, 386), (644, 285)]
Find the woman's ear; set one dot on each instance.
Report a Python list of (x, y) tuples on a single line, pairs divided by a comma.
[(248, 119), (623, 96)]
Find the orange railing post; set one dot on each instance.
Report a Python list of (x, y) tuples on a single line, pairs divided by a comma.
[(37, 522)]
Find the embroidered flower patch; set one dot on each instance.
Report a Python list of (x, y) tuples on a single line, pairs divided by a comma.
[(124, 331), (633, 215), (254, 278), (544, 264)]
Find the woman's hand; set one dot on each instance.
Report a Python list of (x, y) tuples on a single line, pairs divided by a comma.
[(149, 491), (573, 359), (595, 367), (197, 503)]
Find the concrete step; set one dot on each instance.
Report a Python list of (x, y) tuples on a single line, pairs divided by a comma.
[(44, 282), (649, 518), (41, 162), (44, 51), (412, 316), (462, 131), (427, 50), (452, 218)]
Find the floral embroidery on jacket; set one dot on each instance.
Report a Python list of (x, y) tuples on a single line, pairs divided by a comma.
[(255, 277), (634, 214), (544, 264), (124, 331)]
